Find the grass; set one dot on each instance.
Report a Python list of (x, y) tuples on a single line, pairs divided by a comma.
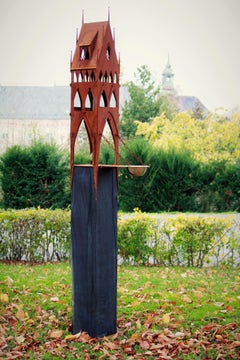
[(163, 313)]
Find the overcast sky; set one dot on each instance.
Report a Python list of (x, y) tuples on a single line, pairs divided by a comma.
[(202, 38)]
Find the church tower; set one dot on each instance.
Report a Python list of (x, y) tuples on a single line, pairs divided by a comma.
[(168, 79)]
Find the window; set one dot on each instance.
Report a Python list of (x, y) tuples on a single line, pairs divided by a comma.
[(108, 52), (84, 53)]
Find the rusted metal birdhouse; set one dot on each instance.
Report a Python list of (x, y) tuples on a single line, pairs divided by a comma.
[(95, 105), (95, 89)]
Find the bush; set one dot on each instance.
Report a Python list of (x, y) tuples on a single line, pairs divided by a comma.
[(183, 240), (38, 235), (35, 235), (134, 237), (34, 176), (172, 182), (221, 187)]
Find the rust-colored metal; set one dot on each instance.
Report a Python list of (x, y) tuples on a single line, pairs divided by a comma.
[(94, 85)]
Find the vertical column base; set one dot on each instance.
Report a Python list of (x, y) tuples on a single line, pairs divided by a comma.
[(94, 251)]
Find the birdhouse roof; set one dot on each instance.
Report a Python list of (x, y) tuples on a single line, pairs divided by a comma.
[(92, 44)]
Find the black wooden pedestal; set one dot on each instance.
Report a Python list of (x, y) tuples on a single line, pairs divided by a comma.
[(94, 251)]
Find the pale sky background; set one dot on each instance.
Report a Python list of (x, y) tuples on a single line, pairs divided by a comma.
[(202, 38)]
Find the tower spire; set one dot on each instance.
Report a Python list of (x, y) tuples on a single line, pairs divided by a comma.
[(109, 14), (82, 17), (168, 78)]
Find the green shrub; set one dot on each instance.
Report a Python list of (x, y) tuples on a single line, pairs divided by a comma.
[(38, 235), (35, 235), (221, 187), (183, 240), (135, 236), (172, 182), (34, 176)]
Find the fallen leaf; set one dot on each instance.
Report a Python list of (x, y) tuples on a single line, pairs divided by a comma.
[(56, 334), (138, 324), (4, 298), (9, 281), (111, 345), (71, 337), (20, 339), (179, 334), (144, 345), (187, 299), (54, 299), (166, 318), (20, 314), (135, 303)]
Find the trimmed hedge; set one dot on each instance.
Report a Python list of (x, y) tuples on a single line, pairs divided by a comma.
[(183, 240), (35, 235), (39, 235)]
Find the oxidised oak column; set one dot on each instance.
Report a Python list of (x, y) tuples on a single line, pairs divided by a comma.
[(94, 251)]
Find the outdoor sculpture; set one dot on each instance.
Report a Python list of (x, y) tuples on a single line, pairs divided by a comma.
[(94, 103), (95, 89)]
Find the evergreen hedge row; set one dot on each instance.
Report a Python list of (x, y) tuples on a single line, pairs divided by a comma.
[(35, 235), (39, 176), (39, 235), (181, 239), (177, 182)]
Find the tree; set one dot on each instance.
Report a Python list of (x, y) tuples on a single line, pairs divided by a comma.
[(34, 176), (212, 139), (144, 104)]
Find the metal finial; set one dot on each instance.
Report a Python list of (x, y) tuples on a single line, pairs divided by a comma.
[(76, 35), (109, 14), (82, 17)]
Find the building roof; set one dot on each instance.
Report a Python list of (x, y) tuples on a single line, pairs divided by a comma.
[(189, 103), (34, 102), (38, 102)]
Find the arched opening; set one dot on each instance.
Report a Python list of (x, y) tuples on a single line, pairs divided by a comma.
[(106, 77), (75, 77), (89, 101), (84, 53), (107, 148), (82, 146), (115, 79), (77, 101), (103, 100), (80, 77), (92, 77), (108, 52), (113, 101)]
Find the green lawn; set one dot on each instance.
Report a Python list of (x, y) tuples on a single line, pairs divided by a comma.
[(163, 313)]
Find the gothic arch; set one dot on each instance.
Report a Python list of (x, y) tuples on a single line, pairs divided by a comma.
[(103, 100), (77, 101), (89, 101)]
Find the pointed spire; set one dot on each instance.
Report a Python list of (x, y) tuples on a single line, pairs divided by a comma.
[(82, 17), (109, 14), (76, 35)]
